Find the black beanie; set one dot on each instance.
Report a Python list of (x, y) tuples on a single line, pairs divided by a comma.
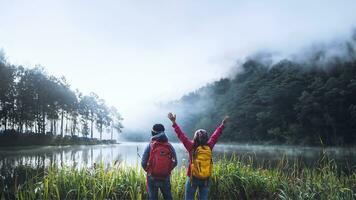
[(157, 128)]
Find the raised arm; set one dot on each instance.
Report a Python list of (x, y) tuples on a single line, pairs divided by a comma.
[(180, 134), (215, 136)]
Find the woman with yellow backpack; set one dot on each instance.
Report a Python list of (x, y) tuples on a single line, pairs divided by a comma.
[(200, 158)]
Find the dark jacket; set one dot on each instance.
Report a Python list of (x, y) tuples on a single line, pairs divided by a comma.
[(161, 137)]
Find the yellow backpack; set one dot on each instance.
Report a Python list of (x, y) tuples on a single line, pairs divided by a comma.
[(202, 163)]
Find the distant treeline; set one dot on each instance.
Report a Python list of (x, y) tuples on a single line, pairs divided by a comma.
[(312, 102), (12, 138), (33, 102)]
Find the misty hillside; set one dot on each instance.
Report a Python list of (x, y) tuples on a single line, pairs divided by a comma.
[(305, 101)]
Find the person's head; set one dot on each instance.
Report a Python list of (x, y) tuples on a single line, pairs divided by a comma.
[(200, 137), (156, 129)]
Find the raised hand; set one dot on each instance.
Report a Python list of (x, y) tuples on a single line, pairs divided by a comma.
[(226, 118), (172, 117)]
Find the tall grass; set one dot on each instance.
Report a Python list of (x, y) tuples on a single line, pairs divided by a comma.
[(231, 180)]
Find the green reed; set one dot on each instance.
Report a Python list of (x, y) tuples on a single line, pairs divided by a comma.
[(232, 179)]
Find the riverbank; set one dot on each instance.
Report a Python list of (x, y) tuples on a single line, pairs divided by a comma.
[(231, 180), (14, 139)]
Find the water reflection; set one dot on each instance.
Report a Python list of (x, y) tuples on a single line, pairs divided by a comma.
[(129, 153), (269, 155), (73, 156)]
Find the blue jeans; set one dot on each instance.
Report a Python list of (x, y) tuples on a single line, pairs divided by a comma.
[(154, 184), (191, 188)]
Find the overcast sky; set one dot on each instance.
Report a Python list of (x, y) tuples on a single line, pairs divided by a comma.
[(134, 53)]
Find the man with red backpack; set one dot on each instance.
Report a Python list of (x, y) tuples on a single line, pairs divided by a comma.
[(158, 160)]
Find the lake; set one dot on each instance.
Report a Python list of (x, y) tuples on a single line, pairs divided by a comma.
[(129, 153)]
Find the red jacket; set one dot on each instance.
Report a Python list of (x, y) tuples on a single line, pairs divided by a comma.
[(188, 144)]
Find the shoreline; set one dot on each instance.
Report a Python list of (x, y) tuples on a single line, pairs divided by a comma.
[(247, 145)]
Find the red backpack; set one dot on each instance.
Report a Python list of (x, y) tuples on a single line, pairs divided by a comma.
[(160, 162)]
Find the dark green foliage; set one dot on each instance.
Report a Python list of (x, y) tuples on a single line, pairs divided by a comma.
[(287, 102)]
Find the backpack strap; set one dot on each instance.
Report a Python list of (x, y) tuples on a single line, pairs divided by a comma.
[(194, 150)]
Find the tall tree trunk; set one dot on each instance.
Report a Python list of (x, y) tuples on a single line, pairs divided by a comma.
[(71, 128), (12, 123), (74, 126), (91, 129), (43, 122), (101, 131), (55, 126), (62, 123), (20, 128), (51, 129), (66, 129), (36, 126), (5, 122), (37, 123), (21, 121)]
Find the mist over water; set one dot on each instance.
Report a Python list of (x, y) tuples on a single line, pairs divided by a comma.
[(130, 153)]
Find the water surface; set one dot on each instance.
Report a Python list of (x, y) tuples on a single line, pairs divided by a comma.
[(130, 153)]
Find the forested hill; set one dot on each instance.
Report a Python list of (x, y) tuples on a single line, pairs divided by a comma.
[(306, 103)]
